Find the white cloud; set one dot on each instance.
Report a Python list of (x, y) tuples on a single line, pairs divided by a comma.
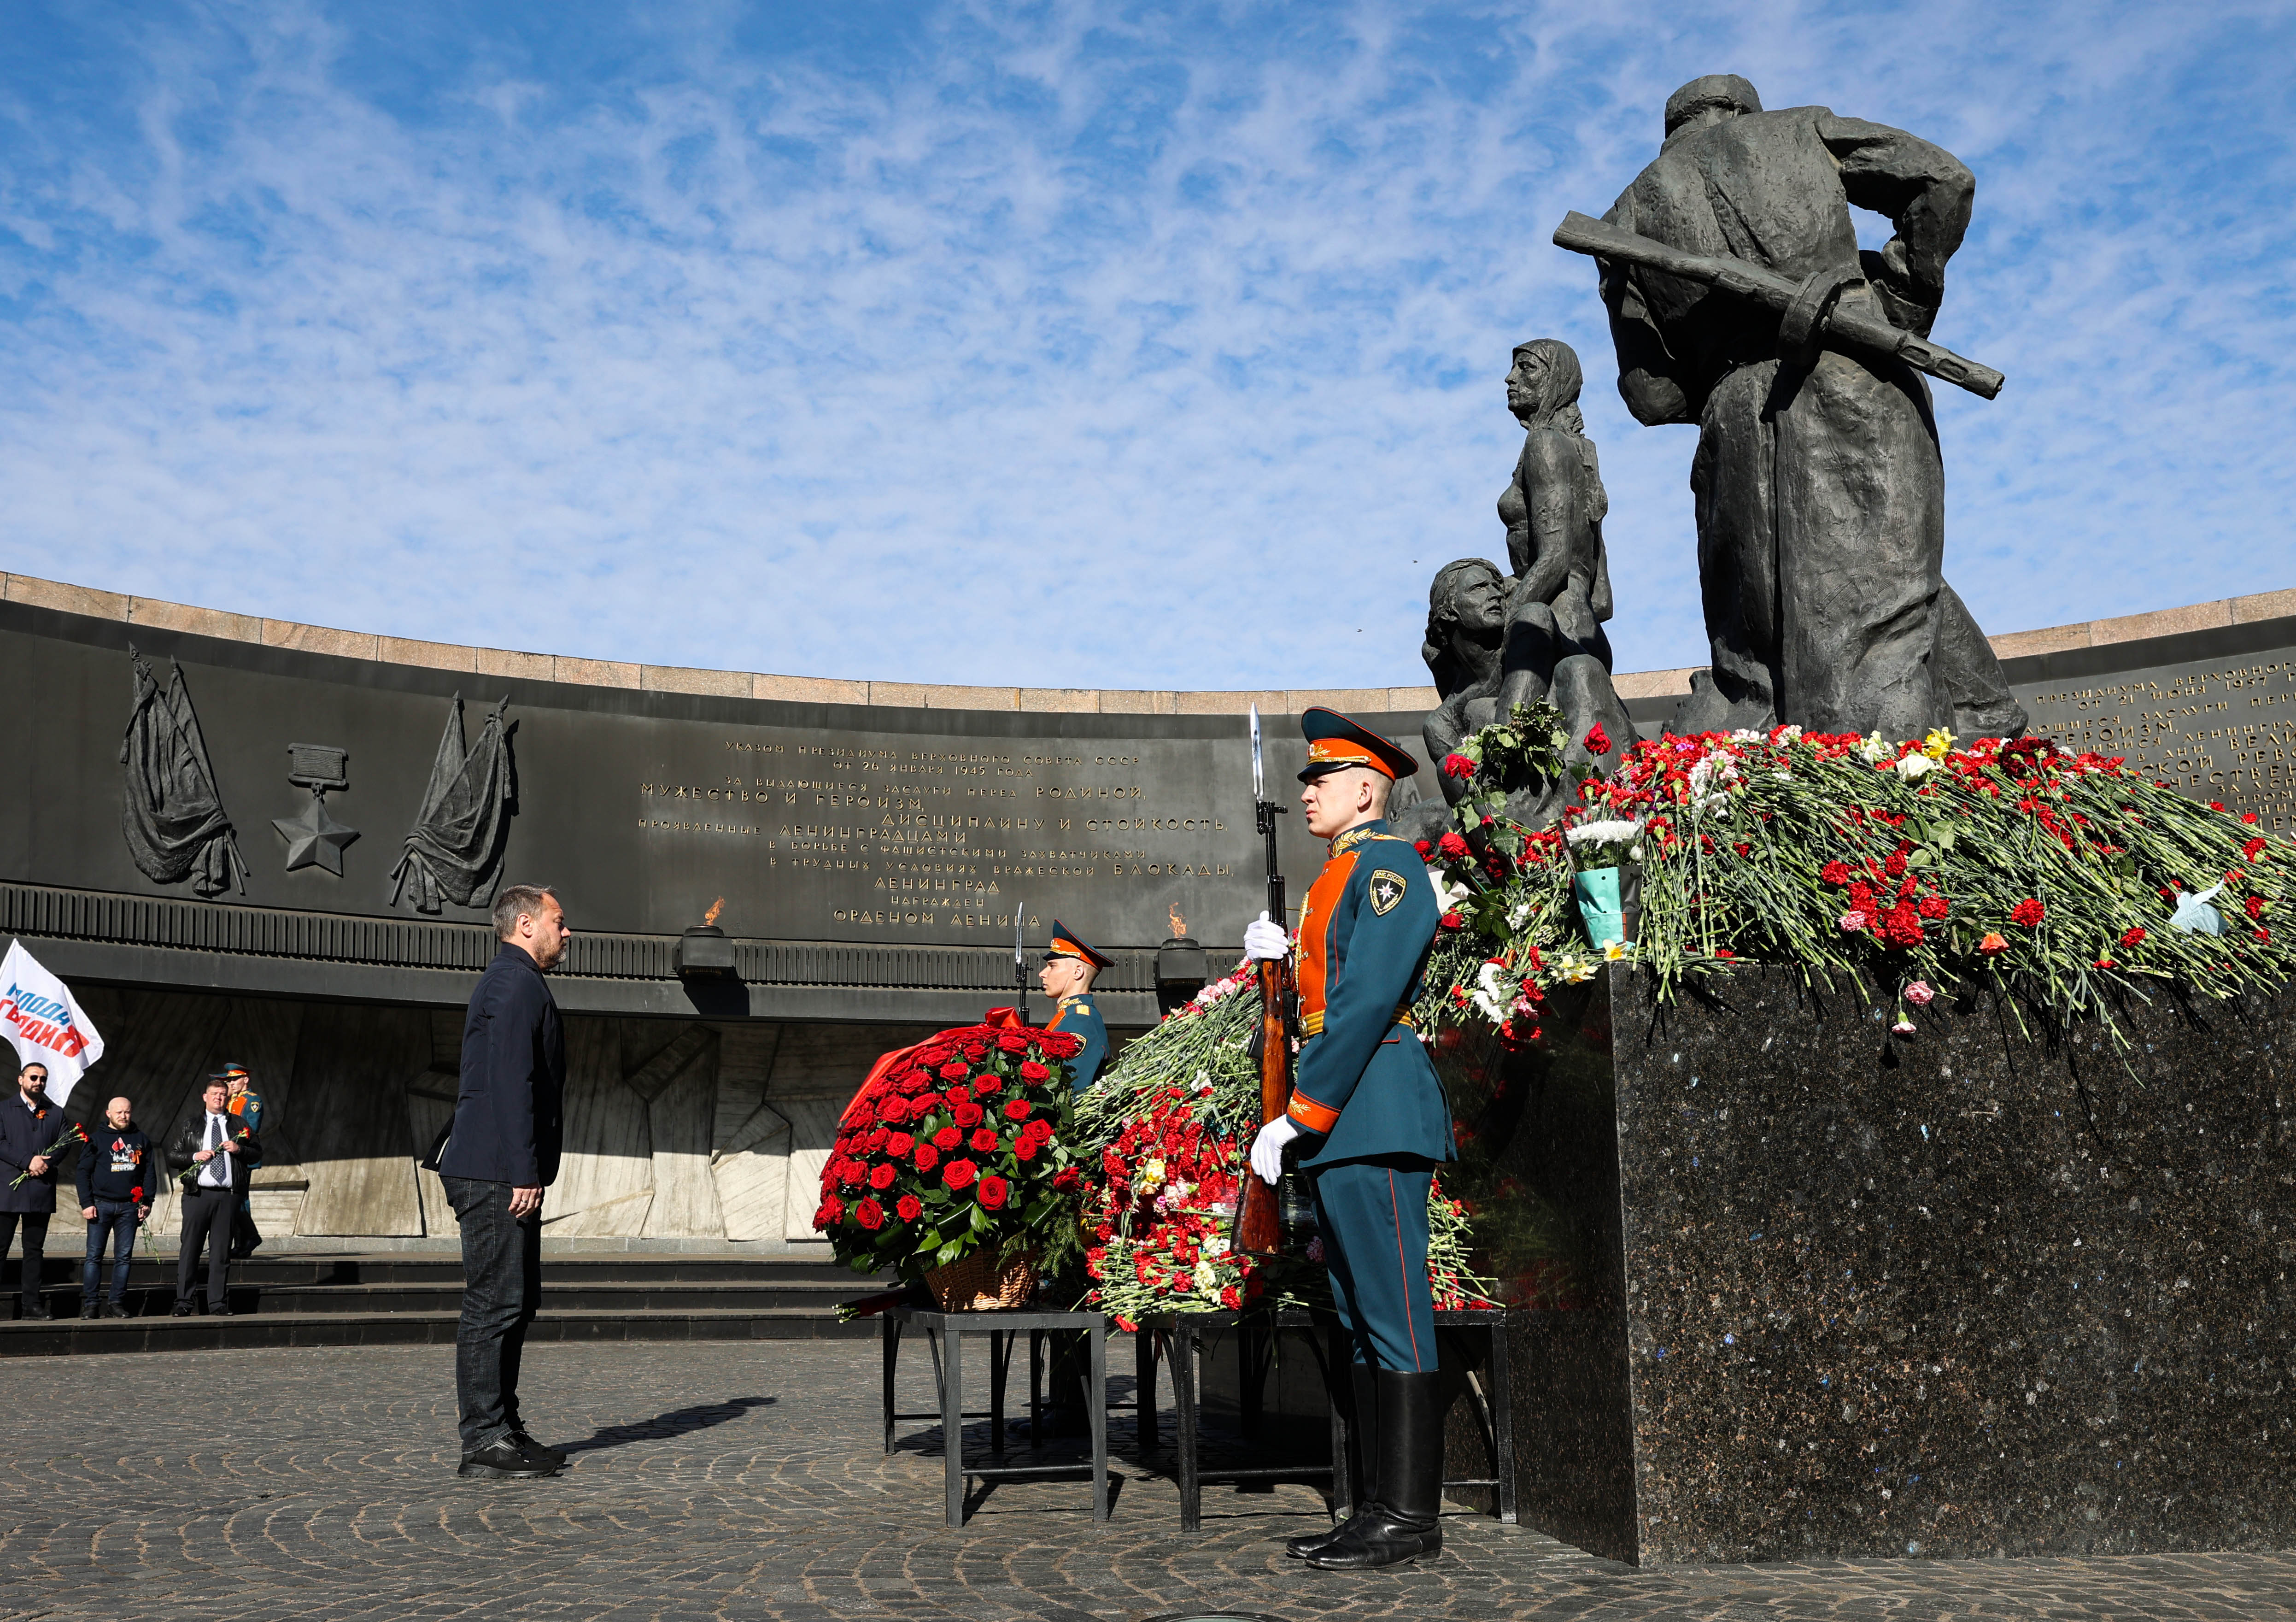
[(1081, 347)]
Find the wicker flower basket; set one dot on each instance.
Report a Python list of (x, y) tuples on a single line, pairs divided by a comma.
[(977, 1284)]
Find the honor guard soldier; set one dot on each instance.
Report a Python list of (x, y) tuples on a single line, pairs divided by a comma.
[(1371, 1122), (1070, 966)]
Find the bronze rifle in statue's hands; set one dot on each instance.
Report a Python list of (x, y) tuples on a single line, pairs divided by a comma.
[(1811, 315)]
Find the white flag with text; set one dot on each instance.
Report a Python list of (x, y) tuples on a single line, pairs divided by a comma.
[(46, 1026)]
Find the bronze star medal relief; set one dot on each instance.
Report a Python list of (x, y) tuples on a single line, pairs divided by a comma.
[(316, 838)]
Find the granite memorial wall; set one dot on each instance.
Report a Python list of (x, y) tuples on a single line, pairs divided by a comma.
[(870, 842)]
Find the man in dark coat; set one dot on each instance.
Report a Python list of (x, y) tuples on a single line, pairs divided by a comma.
[(219, 1154), (502, 1151), (1819, 486), (29, 1125)]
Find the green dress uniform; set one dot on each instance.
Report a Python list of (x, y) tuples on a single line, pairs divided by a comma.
[(1077, 1014), (1367, 1094)]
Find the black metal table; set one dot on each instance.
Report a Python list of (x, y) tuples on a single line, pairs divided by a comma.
[(1002, 1328), (1178, 1338), (1493, 1411)]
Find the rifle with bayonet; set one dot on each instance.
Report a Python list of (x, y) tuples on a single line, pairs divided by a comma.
[(1809, 312), (1259, 1225), (1020, 962)]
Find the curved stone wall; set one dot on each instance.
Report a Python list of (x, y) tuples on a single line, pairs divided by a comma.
[(873, 842)]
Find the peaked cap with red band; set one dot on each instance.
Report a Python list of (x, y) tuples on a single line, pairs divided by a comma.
[(1335, 743), (1068, 943)]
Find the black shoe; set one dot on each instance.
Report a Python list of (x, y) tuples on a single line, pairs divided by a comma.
[(504, 1458), (87, 1310), (182, 1310), (38, 1309), (1362, 1466), (553, 1457), (117, 1311), (223, 1310), (1404, 1523)]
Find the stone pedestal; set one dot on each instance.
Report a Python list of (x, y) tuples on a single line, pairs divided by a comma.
[(1814, 1289)]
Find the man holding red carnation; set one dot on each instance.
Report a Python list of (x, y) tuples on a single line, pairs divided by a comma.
[(1373, 1122)]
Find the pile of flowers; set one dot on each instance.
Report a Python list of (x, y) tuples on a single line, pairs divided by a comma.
[(954, 1144), (1172, 1121), (2068, 880)]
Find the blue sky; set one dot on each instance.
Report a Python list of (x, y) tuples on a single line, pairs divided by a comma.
[(1064, 345)]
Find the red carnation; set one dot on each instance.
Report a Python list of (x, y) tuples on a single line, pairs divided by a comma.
[(2027, 912), (959, 1174), (984, 1141), (1031, 1071), (899, 1144), (1067, 1178), (1452, 920), (928, 1156), (2131, 939), (2255, 906), (1901, 926), (1458, 766), (947, 1138), (955, 1070), (1598, 741), (909, 1207), (2264, 937), (1933, 907), (831, 1213), (1016, 1109), (992, 1193), (968, 1113), (881, 1176), (870, 1214), (1452, 846), (2248, 851)]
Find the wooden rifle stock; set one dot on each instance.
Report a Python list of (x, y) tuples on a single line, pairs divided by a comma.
[(1258, 1230)]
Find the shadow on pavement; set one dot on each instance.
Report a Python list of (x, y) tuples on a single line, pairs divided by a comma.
[(676, 1423)]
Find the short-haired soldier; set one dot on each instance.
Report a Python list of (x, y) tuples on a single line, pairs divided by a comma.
[(502, 1151), (1369, 1112)]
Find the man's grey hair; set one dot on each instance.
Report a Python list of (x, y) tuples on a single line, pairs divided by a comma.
[(517, 901)]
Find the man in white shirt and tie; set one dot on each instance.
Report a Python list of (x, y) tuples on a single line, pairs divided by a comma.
[(216, 1147)]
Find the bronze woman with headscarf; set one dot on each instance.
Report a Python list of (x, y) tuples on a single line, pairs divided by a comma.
[(1554, 510)]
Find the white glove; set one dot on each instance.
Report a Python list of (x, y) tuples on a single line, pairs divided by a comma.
[(1267, 1149), (1264, 939)]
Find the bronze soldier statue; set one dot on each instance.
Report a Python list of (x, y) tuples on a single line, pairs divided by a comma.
[(1819, 484)]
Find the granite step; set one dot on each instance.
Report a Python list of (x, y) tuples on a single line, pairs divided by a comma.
[(244, 1331)]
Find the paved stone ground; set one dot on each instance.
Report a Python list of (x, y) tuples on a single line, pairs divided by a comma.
[(746, 1480)]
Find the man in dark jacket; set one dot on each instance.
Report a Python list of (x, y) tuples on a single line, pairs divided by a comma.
[(219, 1154), (29, 1125), (119, 1178), (501, 1153)]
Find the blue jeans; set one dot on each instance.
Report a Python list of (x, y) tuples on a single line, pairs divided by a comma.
[(502, 1290), (112, 1216)]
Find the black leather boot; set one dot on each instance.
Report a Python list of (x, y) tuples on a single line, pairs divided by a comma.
[(1363, 1464), (1404, 1522)]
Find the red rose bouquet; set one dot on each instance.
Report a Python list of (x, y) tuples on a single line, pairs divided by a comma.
[(954, 1146)]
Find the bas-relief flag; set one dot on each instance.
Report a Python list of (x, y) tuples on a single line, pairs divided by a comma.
[(45, 1023)]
